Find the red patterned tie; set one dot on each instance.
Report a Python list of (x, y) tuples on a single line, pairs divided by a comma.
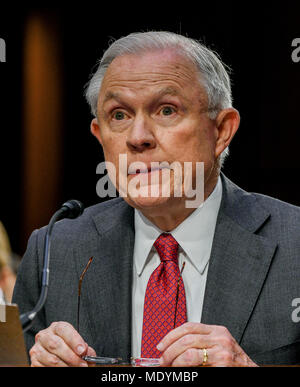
[(161, 297)]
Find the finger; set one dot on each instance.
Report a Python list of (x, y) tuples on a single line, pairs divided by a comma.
[(42, 358), (36, 363), (55, 345), (183, 345), (183, 330), (70, 336), (194, 357)]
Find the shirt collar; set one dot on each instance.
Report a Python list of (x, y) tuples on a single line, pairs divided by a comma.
[(194, 235)]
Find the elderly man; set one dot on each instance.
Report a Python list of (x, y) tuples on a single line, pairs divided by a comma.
[(211, 285)]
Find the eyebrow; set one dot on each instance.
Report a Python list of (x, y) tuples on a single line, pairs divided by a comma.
[(111, 95), (168, 91)]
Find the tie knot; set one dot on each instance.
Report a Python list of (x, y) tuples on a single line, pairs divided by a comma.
[(167, 248)]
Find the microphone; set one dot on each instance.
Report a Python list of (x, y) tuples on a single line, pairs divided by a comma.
[(70, 209)]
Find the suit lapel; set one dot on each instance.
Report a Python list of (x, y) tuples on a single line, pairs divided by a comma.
[(239, 263), (107, 284)]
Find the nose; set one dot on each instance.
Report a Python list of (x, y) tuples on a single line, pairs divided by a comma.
[(141, 137)]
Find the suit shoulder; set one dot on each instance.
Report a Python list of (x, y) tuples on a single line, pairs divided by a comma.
[(101, 207), (285, 219), (97, 210), (83, 226), (280, 207)]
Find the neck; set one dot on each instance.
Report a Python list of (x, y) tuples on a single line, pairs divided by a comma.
[(170, 220)]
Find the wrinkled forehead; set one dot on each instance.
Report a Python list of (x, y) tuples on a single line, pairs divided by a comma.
[(154, 57), (152, 69)]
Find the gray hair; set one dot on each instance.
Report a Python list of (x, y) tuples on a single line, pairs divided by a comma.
[(212, 73)]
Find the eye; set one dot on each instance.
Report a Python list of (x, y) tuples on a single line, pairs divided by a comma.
[(119, 115), (167, 110)]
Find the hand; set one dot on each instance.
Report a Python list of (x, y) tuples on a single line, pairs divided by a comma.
[(60, 345), (184, 345)]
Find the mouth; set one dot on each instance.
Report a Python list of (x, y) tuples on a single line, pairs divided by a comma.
[(143, 171)]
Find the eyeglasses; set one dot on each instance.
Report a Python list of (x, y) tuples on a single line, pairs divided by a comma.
[(92, 359), (79, 290)]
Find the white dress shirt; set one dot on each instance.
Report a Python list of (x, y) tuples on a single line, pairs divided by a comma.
[(195, 236)]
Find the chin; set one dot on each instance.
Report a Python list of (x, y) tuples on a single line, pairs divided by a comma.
[(144, 203)]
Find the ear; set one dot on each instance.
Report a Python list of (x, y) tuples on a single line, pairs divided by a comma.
[(95, 129), (227, 124)]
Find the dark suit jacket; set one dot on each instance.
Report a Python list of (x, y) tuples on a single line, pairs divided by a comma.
[(253, 277)]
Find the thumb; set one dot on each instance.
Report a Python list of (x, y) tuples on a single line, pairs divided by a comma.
[(91, 352)]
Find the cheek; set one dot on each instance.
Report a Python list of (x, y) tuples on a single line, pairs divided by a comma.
[(193, 145), (113, 145), (204, 142)]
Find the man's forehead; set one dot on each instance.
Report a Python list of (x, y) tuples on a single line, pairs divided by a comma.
[(151, 57), (162, 72), (158, 65)]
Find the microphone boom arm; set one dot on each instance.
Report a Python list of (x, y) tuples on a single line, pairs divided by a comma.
[(70, 209)]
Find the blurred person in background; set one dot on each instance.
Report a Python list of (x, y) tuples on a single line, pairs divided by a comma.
[(8, 267)]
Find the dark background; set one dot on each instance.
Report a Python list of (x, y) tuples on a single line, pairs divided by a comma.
[(254, 41)]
